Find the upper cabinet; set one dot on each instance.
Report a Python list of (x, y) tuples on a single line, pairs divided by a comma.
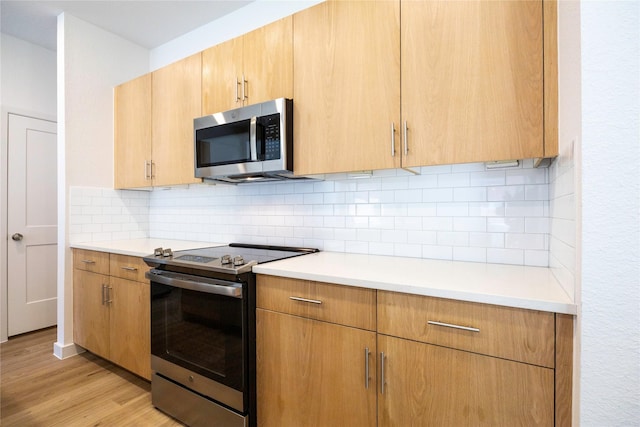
[(346, 92), (176, 102), (456, 82), (154, 126), (472, 81), (250, 69), (132, 133)]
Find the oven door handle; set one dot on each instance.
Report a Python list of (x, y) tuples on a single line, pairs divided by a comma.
[(207, 285)]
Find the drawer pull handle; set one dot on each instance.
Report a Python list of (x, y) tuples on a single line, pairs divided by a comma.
[(129, 268), (449, 325), (382, 372), (88, 261), (312, 301)]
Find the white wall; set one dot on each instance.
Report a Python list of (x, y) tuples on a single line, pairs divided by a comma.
[(610, 289), (250, 17), (91, 62), (27, 86)]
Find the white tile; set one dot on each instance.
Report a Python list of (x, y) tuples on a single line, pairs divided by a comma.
[(524, 241), (453, 180), (487, 178), (357, 222), (423, 181), (393, 209), (380, 248), (368, 234), (486, 240), (334, 221), (536, 225), (470, 224), (506, 224), (368, 210), (486, 209), (537, 192), (382, 222), (453, 238), (311, 199), (369, 184), (470, 194), (422, 209), (423, 237), (382, 196), (526, 176), (334, 198), (345, 233), (408, 223), (453, 209), (437, 223), (394, 236), (437, 195), (408, 196), (524, 208), (394, 183), (440, 169), (357, 247), (501, 193)]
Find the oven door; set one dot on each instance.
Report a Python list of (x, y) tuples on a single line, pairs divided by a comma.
[(198, 334)]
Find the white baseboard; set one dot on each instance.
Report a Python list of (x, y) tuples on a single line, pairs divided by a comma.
[(62, 351)]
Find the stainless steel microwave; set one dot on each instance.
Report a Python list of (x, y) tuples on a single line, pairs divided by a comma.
[(247, 144)]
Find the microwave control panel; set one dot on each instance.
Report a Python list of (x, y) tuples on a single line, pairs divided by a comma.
[(270, 126)]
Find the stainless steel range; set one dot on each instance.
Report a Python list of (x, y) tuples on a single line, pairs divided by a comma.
[(203, 331)]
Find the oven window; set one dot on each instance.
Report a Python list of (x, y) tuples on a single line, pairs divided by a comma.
[(198, 331)]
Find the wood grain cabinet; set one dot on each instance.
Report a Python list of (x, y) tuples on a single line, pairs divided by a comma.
[(111, 309), (249, 69), (316, 347), (458, 363), (410, 83), (326, 357), (154, 126)]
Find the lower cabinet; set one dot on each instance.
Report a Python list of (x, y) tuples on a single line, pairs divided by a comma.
[(416, 361), (313, 373), (111, 314), (429, 385)]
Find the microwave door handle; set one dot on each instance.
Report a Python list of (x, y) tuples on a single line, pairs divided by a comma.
[(253, 145)]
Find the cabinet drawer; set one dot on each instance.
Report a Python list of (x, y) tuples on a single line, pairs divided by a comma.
[(128, 267), (344, 305), (97, 262), (510, 333)]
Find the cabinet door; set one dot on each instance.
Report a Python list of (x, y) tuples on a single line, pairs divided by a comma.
[(130, 326), (431, 385), (346, 88), (176, 102), (132, 133), (312, 373), (472, 80), (268, 62), (221, 77), (90, 312)]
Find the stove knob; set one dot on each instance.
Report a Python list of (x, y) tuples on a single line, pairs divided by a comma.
[(226, 259), (238, 260), (167, 252), (157, 252)]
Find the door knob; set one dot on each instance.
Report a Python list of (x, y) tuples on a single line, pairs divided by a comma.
[(17, 237)]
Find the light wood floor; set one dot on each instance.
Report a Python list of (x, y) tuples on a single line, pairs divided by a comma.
[(38, 389)]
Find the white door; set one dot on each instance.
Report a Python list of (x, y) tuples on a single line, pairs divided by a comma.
[(32, 219)]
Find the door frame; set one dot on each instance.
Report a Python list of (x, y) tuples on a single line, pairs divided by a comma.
[(4, 170)]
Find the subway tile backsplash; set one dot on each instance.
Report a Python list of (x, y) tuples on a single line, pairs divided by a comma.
[(453, 212)]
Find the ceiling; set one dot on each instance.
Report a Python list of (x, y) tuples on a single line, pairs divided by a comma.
[(144, 22)]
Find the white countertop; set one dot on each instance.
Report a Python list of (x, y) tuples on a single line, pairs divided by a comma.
[(508, 285), (141, 247)]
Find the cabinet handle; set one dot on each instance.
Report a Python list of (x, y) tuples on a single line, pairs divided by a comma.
[(147, 174), (382, 372), (88, 261), (406, 145), (245, 83), (129, 268), (237, 93), (153, 166), (393, 139), (109, 300), (366, 367), (312, 301), (449, 325), (103, 293)]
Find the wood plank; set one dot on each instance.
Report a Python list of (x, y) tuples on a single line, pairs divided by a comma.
[(564, 369), (37, 389)]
